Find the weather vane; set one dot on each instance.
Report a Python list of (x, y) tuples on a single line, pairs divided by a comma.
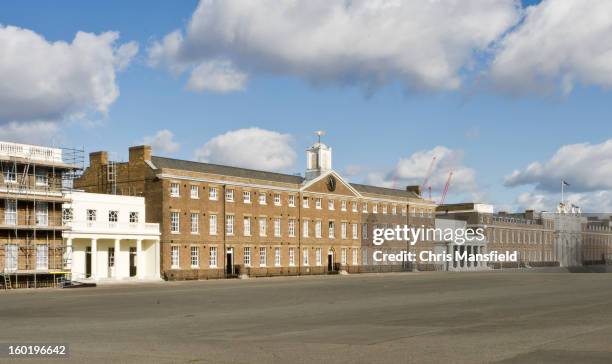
[(319, 134)]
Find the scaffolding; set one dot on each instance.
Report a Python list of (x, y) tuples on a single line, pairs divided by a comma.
[(33, 184)]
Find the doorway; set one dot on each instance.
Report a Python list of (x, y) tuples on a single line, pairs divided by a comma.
[(330, 261), (88, 262), (133, 267), (111, 263), (229, 264)]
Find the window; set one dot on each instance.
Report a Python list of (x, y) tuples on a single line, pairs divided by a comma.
[(291, 257), (343, 205), (10, 175), (42, 213), (394, 210), (355, 232), (262, 198), (318, 228), (247, 256), (364, 256), (318, 256), (343, 254), (277, 257), (305, 256), (291, 228), (67, 215), (212, 193), (291, 201), (212, 225), (421, 213), (364, 231), (42, 257), (195, 223), (195, 257), (174, 190), (246, 196), (91, 215), (195, 192), (229, 195), (174, 256), (413, 212), (330, 204), (404, 211), (213, 257), (229, 224), (277, 199), (430, 214), (113, 216), (343, 228), (365, 207), (318, 203), (11, 257), (305, 228), (384, 209), (263, 226), (305, 202), (374, 208), (246, 226), (355, 257), (42, 178), (133, 216), (262, 256), (331, 229), (174, 222), (277, 227), (111, 257), (354, 203)]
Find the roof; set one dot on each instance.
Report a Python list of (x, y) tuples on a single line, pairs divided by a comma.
[(170, 163), (162, 162), (383, 191)]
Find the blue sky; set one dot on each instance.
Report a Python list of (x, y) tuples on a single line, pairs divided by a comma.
[(495, 132)]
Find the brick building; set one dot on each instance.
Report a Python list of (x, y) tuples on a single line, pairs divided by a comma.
[(219, 221)]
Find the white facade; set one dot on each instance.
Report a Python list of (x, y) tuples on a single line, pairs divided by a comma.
[(318, 160), (109, 239)]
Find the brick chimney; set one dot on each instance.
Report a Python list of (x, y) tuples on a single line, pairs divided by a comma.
[(140, 153), (98, 158), (416, 189)]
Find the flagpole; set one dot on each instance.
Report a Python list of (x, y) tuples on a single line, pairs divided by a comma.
[(562, 199)]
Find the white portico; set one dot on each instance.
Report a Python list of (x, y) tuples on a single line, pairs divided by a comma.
[(109, 239)]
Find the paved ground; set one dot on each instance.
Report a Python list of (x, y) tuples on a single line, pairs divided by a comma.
[(412, 317)]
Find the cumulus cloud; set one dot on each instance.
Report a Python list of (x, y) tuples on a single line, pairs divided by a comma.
[(423, 44), (589, 202), (412, 171), (162, 141), (52, 81), (38, 132), (560, 43), (250, 148), (587, 167)]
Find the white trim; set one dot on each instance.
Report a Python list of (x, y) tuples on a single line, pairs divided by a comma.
[(313, 181), (231, 183)]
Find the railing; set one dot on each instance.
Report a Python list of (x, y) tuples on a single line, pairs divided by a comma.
[(109, 226), (31, 151), (30, 219)]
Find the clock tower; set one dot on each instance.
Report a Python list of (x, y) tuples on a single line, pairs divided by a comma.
[(318, 158)]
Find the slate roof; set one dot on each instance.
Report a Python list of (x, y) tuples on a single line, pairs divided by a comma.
[(383, 191)]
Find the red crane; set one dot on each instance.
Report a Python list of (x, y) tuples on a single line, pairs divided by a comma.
[(428, 174), (450, 175)]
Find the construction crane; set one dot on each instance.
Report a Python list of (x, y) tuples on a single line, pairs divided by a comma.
[(448, 180), (428, 174)]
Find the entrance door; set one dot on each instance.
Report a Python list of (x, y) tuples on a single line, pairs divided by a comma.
[(111, 263), (88, 262), (330, 261), (229, 264), (133, 262)]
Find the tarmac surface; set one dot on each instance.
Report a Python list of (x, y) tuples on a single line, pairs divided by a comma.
[(388, 318)]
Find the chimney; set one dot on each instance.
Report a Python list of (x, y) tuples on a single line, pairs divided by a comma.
[(416, 189), (98, 158), (529, 214), (140, 153)]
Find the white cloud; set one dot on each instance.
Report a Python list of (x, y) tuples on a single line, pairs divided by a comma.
[(560, 43), (162, 141), (423, 44), (250, 148), (412, 171), (216, 76), (589, 202), (53, 81), (39, 132), (587, 167)]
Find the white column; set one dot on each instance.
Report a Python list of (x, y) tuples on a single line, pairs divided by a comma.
[(94, 259), (118, 262), (139, 260), (157, 260), (69, 254)]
